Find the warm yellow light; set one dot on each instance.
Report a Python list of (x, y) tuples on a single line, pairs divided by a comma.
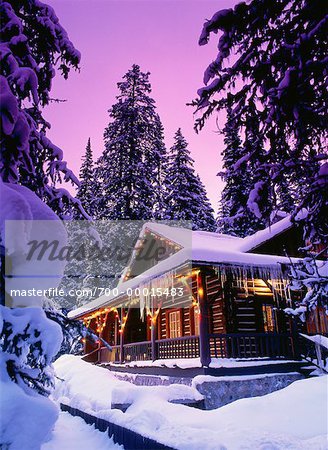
[(200, 292), (195, 272)]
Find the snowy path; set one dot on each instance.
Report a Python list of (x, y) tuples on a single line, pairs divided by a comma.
[(72, 433)]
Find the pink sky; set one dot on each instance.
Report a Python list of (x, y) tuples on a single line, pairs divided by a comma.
[(159, 35)]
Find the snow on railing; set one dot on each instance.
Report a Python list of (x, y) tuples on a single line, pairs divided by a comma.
[(316, 349)]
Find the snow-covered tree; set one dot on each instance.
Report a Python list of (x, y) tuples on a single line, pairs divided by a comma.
[(205, 218), (33, 44), (74, 331), (156, 163), (28, 340), (129, 170), (272, 53), (285, 78), (234, 216), (185, 196), (312, 273), (86, 190)]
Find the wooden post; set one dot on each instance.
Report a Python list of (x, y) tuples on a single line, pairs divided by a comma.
[(121, 331), (204, 342), (153, 337), (295, 339)]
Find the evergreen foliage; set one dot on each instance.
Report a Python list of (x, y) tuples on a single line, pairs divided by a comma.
[(186, 198), (280, 49), (85, 192), (234, 216), (129, 171), (279, 65), (33, 44)]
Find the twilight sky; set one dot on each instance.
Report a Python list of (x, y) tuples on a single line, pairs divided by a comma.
[(159, 35)]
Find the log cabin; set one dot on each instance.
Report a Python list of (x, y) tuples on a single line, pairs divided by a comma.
[(206, 296)]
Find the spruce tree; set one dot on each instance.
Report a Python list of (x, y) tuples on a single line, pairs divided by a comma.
[(279, 47), (279, 61), (31, 51), (32, 168), (186, 197), (234, 216), (86, 190), (129, 170), (205, 219), (155, 163)]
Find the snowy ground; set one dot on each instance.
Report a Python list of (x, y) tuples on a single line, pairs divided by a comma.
[(294, 418), (72, 433)]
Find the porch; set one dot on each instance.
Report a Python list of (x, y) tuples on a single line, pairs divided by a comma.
[(248, 346)]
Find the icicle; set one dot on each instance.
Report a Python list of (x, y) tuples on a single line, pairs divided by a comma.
[(245, 278)]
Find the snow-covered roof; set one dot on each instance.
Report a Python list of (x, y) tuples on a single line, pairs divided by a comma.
[(186, 237), (260, 237), (203, 247)]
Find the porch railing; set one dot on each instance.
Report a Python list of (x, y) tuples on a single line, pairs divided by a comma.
[(234, 345), (314, 352), (181, 347), (257, 345), (138, 351)]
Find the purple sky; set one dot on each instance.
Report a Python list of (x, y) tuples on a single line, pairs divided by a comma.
[(159, 35)]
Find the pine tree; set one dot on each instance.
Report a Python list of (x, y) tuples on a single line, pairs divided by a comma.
[(254, 172), (285, 79), (31, 51), (156, 163), (129, 170), (234, 216), (205, 220), (33, 44), (279, 47), (186, 197), (286, 187), (86, 190)]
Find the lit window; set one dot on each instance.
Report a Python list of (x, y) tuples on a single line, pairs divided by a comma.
[(268, 318), (174, 324)]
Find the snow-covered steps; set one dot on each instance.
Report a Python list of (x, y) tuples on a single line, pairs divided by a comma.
[(294, 417), (183, 370), (309, 370), (215, 391)]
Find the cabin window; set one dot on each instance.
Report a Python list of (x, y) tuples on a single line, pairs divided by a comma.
[(174, 324), (268, 318)]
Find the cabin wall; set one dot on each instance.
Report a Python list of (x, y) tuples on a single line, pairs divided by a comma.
[(234, 305), (251, 307), (216, 309), (317, 321)]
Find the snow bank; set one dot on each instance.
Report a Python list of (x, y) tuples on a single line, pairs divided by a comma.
[(294, 417), (73, 433), (25, 420), (24, 218), (92, 388)]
